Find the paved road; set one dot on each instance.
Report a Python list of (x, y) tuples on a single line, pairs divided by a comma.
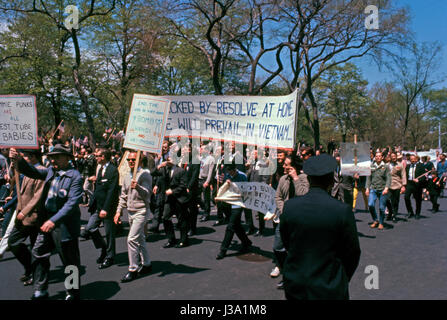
[(411, 257)]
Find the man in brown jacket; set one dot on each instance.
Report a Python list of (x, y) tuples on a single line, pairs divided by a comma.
[(290, 185), (398, 182), (28, 220)]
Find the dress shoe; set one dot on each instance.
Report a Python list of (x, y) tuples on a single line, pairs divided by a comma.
[(71, 297), (182, 244), (259, 233), (169, 244), (101, 257), (204, 218), (251, 231), (245, 248), (25, 277), (280, 285), (221, 255), (107, 263), (28, 282), (129, 276), (39, 295), (410, 216), (145, 270)]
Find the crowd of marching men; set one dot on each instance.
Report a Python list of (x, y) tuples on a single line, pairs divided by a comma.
[(177, 183)]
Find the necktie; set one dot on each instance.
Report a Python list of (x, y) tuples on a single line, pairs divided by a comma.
[(100, 173), (291, 188)]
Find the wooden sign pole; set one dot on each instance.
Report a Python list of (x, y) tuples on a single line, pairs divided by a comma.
[(137, 163)]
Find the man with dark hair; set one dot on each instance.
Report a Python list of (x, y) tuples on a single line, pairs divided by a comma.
[(192, 169), (103, 207), (158, 198), (29, 217), (172, 182), (415, 177), (320, 236), (234, 225), (397, 187)]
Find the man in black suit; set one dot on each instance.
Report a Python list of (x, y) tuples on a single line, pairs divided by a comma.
[(415, 179), (158, 197), (172, 181), (103, 207), (192, 170), (320, 236)]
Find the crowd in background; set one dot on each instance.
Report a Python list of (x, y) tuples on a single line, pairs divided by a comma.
[(183, 181)]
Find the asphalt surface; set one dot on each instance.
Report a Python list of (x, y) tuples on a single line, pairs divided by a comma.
[(411, 258)]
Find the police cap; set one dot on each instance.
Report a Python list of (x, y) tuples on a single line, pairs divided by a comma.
[(320, 165)]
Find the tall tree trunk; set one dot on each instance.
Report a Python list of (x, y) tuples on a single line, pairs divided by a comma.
[(85, 108), (81, 92)]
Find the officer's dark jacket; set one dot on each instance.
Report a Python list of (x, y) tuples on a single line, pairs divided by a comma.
[(320, 236), (69, 195)]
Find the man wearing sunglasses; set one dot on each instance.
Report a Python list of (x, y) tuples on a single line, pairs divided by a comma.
[(135, 197), (103, 207)]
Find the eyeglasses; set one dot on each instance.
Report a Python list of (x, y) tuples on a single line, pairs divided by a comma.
[(131, 159)]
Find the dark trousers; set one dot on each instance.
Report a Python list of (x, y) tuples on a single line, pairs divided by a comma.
[(249, 218), (434, 192), (16, 243), (40, 258), (206, 192), (415, 190), (394, 201), (261, 221), (158, 211), (93, 229), (234, 226), (193, 212), (223, 211), (172, 206)]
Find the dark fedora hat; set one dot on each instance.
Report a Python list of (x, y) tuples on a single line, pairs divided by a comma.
[(36, 152), (60, 149)]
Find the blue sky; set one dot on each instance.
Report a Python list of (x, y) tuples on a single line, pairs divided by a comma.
[(429, 23)]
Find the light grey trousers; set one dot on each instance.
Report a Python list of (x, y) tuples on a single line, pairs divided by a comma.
[(136, 240)]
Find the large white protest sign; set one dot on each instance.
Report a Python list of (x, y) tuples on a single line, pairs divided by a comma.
[(147, 123), (355, 158), (18, 122), (255, 120), (252, 195)]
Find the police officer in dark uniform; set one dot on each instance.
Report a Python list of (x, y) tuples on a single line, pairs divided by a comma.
[(320, 236)]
